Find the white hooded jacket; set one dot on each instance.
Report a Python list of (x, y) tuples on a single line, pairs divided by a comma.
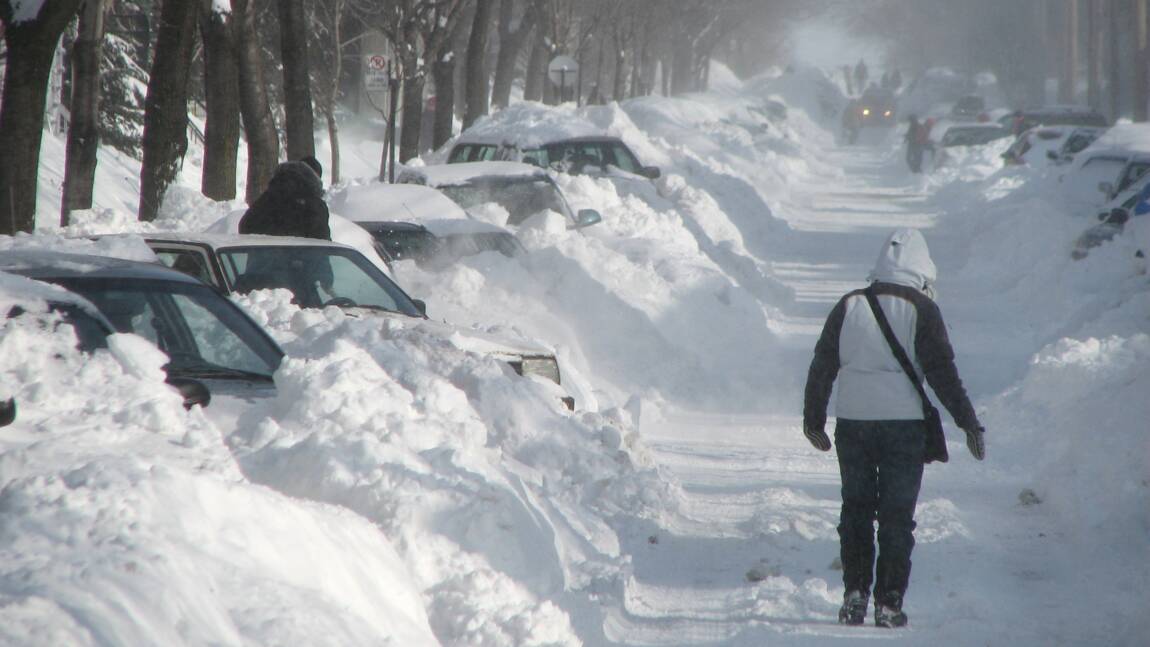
[(852, 348)]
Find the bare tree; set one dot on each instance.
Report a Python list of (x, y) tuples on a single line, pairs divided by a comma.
[(259, 126), (329, 22), (299, 124), (84, 107), (31, 43), (166, 107), (511, 41), (221, 95), (477, 77)]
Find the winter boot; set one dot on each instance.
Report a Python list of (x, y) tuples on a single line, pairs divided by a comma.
[(888, 613), (853, 611)]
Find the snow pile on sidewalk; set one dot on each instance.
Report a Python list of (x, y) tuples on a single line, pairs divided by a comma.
[(498, 501)]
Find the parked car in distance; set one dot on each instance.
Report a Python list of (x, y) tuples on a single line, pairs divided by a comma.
[(588, 154), (973, 135), (523, 190), (1077, 141), (968, 108), (212, 345), (321, 273), (1020, 121), (435, 244), (1033, 144), (1112, 224)]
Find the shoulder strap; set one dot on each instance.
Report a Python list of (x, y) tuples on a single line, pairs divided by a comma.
[(896, 347)]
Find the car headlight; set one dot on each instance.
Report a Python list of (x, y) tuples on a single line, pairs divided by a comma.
[(866, 112), (543, 366)]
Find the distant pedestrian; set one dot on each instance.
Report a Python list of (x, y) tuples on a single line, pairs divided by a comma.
[(292, 204), (914, 146), (881, 429)]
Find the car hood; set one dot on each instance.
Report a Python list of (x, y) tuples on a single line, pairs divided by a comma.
[(495, 344)]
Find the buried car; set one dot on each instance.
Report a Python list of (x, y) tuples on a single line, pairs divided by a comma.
[(320, 273), (523, 190), (213, 347), (585, 154)]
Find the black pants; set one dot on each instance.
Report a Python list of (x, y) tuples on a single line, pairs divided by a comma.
[(881, 466)]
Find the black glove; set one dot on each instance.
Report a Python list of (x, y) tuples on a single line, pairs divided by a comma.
[(818, 438), (975, 443)]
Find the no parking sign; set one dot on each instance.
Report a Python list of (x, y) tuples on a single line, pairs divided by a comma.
[(375, 72)]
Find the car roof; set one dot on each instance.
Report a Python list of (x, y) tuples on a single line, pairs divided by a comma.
[(381, 202), (438, 175), (441, 227), (47, 265), (219, 241)]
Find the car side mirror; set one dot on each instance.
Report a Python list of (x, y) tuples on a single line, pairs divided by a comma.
[(651, 172), (586, 218), (1118, 216), (7, 412), (193, 391), (420, 305), (1105, 187)]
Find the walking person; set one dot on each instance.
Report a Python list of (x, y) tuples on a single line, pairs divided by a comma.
[(292, 204), (914, 146), (881, 432)]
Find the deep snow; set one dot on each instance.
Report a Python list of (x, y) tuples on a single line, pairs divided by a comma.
[(400, 490)]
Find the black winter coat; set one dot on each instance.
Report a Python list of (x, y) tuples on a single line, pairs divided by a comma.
[(292, 205)]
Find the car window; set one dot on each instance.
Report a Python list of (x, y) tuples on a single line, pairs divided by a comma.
[(461, 245), (537, 157), (403, 244), (201, 332), (187, 261), (472, 153), (576, 157), (522, 196), (1133, 171), (90, 332), (621, 157), (316, 276)]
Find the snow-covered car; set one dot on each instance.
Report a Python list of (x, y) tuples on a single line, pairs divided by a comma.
[(213, 347), (1077, 141), (320, 273), (1034, 143), (972, 135), (438, 243), (588, 154), (521, 189), (1111, 226), (1054, 115)]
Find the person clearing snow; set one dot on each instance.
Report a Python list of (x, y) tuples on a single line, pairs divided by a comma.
[(881, 431)]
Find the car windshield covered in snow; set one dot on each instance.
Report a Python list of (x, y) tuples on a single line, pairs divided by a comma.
[(411, 241), (317, 276), (522, 196), (973, 135)]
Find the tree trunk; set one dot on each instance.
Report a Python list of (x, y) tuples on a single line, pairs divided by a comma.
[(260, 127), (412, 117), (1093, 54), (444, 73), (1068, 80), (221, 93), (511, 42), (299, 123), (1141, 66), (165, 137), (31, 45), (477, 77), (84, 126), (619, 92), (536, 68)]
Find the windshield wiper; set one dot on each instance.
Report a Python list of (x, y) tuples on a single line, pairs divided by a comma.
[(209, 371)]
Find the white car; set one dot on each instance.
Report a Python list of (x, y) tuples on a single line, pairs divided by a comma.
[(522, 189), (320, 273)]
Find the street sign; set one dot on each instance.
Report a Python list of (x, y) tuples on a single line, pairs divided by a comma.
[(563, 71), (375, 72)]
